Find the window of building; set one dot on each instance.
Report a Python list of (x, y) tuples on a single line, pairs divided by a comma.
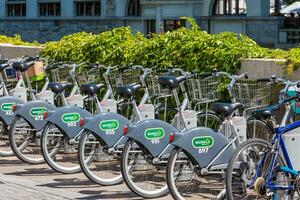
[(49, 9), (134, 8), (87, 8), (16, 8), (171, 25), (229, 7), (150, 26)]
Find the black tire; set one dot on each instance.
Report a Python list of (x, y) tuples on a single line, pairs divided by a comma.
[(263, 129), (127, 177), (209, 119), (191, 185), (55, 155), (166, 114), (107, 165), (234, 169), (29, 149), (5, 148)]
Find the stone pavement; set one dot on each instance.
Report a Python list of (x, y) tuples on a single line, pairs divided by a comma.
[(38, 182)]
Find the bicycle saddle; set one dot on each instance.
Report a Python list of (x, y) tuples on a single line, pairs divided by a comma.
[(91, 88), (170, 82), (22, 66), (128, 90), (59, 87), (3, 66), (225, 109), (262, 114)]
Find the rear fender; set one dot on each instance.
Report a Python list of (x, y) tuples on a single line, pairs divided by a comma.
[(107, 126), (33, 113), (6, 108), (203, 144), (68, 119), (152, 134)]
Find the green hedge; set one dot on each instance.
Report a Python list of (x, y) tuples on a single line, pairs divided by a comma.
[(191, 49), (16, 40)]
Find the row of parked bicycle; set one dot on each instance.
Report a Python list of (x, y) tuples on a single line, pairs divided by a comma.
[(180, 138)]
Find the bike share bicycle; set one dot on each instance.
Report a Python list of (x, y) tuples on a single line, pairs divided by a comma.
[(147, 149), (251, 93), (100, 147), (260, 169), (62, 155), (26, 129), (153, 155), (13, 91)]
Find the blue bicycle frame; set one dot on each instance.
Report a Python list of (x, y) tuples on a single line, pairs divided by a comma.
[(278, 144)]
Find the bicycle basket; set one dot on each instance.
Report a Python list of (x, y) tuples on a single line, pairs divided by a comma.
[(60, 74), (251, 93), (154, 88), (203, 89), (121, 77), (88, 74)]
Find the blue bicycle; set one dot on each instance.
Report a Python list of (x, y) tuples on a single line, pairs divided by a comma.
[(259, 169)]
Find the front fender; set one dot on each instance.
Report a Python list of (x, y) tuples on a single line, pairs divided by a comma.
[(33, 113), (107, 126), (67, 119), (203, 144), (6, 108), (152, 134)]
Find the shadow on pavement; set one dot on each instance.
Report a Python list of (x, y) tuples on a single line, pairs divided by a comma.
[(69, 183), (115, 195), (9, 161), (33, 171)]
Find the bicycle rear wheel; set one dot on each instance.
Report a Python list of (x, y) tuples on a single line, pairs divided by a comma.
[(245, 180), (140, 175), (185, 182), (5, 148), (96, 163), (58, 153), (25, 141)]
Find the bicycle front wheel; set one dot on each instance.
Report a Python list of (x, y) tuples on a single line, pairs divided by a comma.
[(140, 175), (96, 163), (210, 120), (25, 141), (249, 169), (58, 152), (165, 113), (259, 129)]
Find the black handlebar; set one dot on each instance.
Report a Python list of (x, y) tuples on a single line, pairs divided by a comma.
[(205, 74), (263, 80)]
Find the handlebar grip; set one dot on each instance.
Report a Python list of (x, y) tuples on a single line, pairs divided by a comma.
[(205, 74), (289, 99), (163, 70), (263, 80)]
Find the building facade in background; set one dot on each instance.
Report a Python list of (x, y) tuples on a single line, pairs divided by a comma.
[(45, 20)]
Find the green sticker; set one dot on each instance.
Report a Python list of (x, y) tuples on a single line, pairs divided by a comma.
[(203, 142), (109, 125), (154, 133), (38, 111), (7, 106), (70, 117)]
